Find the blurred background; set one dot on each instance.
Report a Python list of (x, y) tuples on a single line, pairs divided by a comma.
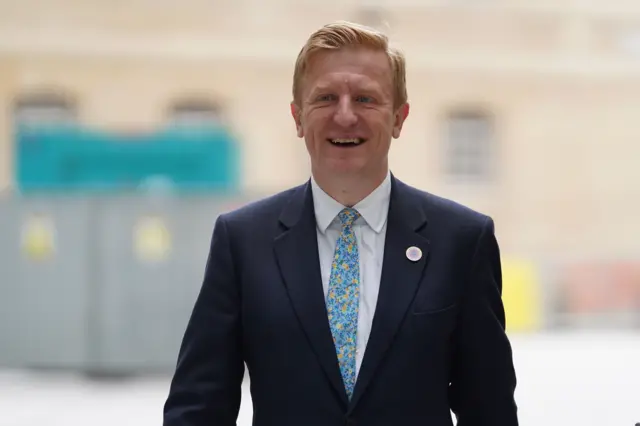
[(126, 127)]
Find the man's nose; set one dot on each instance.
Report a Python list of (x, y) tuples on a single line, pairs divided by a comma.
[(345, 115)]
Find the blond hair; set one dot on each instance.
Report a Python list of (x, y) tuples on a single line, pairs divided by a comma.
[(342, 34)]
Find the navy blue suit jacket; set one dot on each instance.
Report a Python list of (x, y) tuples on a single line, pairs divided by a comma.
[(437, 342)]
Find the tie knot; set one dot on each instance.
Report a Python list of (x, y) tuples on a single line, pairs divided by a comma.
[(348, 216)]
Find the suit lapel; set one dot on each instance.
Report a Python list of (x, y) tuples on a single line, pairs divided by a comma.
[(296, 250), (399, 280)]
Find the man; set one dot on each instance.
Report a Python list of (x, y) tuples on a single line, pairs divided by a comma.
[(354, 299)]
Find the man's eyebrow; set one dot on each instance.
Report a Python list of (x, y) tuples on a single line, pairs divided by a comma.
[(371, 88), (321, 87), (367, 88), (316, 91)]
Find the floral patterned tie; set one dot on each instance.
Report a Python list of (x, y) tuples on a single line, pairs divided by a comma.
[(343, 298)]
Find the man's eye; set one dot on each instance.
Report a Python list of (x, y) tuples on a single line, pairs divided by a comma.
[(365, 99), (326, 98)]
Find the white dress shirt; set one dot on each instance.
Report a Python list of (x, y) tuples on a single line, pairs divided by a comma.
[(370, 231)]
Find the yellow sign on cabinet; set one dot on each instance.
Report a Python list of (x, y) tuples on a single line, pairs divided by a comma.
[(38, 237), (152, 239)]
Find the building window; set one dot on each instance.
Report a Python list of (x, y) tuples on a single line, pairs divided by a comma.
[(194, 111), (47, 108), (470, 146)]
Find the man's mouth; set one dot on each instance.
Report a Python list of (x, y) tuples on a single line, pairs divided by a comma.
[(346, 142)]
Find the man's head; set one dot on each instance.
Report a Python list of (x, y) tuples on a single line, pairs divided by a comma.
[(349, 100)]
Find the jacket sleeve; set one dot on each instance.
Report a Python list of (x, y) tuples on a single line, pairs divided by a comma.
[(206, 387), (483, 378)]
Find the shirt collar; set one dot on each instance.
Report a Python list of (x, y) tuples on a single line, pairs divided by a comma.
[(373, 209)]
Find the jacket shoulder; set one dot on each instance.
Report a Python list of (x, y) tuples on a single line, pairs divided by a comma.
[(442, 210), (257, 211)]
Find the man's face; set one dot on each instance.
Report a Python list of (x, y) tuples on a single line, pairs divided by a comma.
[(346, 112)]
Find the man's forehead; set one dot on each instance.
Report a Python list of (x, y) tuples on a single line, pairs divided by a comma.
[(330, 80), (362, 73), (361, 61)]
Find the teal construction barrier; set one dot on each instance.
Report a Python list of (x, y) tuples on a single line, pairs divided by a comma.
[(52, 159)]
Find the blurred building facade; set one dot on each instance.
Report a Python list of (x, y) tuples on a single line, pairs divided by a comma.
[(525, 110)]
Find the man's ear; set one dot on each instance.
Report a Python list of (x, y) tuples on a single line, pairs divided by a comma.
[(296, 113), (401, 115)]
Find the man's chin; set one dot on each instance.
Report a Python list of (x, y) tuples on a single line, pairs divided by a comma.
[(347, 168), (332, 168)]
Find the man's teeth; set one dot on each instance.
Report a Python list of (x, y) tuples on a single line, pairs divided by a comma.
[(355, 140)]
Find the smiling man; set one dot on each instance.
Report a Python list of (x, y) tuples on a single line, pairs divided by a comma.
[(348, 106), (353, 299)]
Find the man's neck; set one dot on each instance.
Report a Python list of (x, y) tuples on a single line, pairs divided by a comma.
[(349, 190)]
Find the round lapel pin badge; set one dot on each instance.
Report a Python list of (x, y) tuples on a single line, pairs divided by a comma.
[(414, 253)]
